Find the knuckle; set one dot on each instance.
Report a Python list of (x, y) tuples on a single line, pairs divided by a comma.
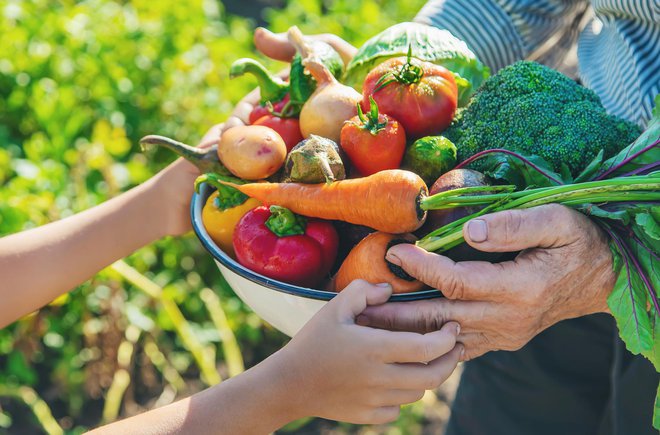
[(428, 271), (512, 223), (426, 351), (454, 286), (430, 320)]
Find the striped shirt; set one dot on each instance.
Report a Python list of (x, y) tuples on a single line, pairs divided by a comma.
[(613, 46)]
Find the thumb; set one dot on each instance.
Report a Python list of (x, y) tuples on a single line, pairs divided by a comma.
[(546, 226), (359, 294), (274, 45)]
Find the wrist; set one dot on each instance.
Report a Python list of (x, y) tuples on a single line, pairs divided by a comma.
[(154, 200), (283, 389)]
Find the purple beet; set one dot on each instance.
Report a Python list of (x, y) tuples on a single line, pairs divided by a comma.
[(451, 180)]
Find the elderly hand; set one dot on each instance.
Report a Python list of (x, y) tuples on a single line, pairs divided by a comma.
[(564, 271), (277, 46)]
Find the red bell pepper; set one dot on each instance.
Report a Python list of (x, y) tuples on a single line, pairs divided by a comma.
[(281, 245)]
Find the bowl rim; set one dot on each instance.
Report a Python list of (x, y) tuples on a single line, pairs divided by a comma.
[(197, 204)]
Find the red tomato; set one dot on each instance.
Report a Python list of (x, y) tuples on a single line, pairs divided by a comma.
[(374, 142), (420, 95), (288, 128)]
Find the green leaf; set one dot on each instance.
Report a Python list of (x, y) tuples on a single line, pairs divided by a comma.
[(653, 354), (656, 410), (649, 225), (649, 136), (618, 214), (591, 168), (505, 167), (628, 302)]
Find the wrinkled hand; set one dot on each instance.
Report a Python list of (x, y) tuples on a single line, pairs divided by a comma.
[(277, 46), (173, 187), (342, 371), (564, 271)]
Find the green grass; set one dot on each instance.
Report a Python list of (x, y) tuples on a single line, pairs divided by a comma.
[(80, 83)]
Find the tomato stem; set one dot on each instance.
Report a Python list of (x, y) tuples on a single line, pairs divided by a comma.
[(408, 74), (370, 121)]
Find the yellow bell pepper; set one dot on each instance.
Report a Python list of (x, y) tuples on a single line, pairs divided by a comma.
[(220, 224), (223, 209)]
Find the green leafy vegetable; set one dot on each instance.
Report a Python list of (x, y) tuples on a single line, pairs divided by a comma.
[(531, 109)]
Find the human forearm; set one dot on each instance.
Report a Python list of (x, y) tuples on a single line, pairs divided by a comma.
[(38, 265), (332, 368), (256, 402)]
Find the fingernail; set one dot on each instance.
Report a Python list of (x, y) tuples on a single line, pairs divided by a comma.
[(383, 284), (458, 329), (478, 230), (462, 352), (393, 259)]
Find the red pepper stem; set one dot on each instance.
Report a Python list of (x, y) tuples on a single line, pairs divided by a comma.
[(283, 222), (271, 88), (205, 159), (228, 197)]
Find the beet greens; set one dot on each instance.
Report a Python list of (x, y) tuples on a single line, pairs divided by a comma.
[(621, 194)]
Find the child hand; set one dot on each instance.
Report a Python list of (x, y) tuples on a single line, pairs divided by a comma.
[(172, 189), (339, 370)]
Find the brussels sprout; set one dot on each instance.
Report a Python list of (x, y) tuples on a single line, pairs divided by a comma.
[(428, 43), (430, 157), (314, 160)]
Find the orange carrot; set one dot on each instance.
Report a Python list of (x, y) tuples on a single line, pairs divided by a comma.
[(386, 201), (367, 261)]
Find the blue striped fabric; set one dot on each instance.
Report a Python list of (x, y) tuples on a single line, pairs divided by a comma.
[(618, 51)]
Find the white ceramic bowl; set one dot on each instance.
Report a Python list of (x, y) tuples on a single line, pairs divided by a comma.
[(287, 307)]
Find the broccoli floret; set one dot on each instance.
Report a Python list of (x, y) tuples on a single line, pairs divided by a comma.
[(534, 110)]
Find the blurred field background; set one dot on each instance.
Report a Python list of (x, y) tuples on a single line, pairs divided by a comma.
[(80, 83)]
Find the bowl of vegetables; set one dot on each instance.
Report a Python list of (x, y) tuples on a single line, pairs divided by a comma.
[(285, 306), (325, 179)]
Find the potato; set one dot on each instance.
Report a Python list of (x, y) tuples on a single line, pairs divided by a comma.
[(252, 152)]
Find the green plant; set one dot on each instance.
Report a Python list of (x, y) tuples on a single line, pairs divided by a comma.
[(80, 83)]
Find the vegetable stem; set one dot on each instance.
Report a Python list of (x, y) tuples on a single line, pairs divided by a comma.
[(637, 189)]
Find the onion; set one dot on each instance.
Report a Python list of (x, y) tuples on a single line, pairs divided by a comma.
[(331, 104)]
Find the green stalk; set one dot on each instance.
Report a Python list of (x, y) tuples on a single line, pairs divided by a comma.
[(271, 88), (430, 202), (206, 159), (230, 347), (36, 404), (629, 189), (203, 356)]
